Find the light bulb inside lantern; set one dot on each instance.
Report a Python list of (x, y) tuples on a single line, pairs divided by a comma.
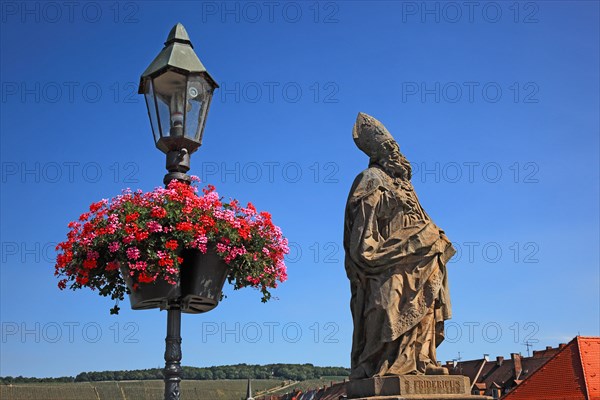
[(177, 109)]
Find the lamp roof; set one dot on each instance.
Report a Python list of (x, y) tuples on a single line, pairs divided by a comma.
[(178, 53)]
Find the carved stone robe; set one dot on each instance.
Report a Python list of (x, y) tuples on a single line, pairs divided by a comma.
[(396, 262)]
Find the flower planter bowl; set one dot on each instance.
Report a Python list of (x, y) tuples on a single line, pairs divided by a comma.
[(152, 295), (202, 280), (198, 290)]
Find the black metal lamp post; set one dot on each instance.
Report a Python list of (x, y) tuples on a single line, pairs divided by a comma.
[(178, 90)]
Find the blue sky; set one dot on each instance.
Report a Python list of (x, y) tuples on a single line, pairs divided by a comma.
[(496, 106)]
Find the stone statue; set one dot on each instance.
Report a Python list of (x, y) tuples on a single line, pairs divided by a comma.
[(396, 261)]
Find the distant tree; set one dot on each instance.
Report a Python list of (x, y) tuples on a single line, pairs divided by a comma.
[(82, 377), (219, 374)]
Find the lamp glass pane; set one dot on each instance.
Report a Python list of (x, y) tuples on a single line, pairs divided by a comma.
[(199, 94), (170, 89), (151, 104), (164, 115)]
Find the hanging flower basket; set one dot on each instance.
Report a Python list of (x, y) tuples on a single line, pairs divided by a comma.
[(171, 244)]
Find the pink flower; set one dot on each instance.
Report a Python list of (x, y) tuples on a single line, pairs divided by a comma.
[(172, 270), (133, 253), (200, 243), (154, 226), (233, 253), (128, 239), (114, 246), (138, 265), (221, 248)]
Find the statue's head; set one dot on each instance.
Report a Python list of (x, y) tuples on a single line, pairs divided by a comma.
[(375, 141)]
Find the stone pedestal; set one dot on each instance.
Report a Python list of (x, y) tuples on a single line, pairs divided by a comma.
[(415, 387)]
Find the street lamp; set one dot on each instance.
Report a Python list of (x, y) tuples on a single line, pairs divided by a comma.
[(178, 90)]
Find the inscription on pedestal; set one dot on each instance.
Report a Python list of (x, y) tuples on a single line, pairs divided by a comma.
[(429, 386), (408, 385)]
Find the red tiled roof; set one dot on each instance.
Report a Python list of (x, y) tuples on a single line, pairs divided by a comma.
[(332, 393), (589, 351), (563, 376), (500, 371)]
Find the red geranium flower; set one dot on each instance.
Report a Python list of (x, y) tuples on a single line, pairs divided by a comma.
[(171, 244)]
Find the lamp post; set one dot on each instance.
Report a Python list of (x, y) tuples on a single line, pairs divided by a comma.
[(178, 90)]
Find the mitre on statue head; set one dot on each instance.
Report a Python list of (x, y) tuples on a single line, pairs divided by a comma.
[(369, 134)]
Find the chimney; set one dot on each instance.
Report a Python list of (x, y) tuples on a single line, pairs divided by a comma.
[(548, 347), (561, 345), (518, 367), (499, 360)]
